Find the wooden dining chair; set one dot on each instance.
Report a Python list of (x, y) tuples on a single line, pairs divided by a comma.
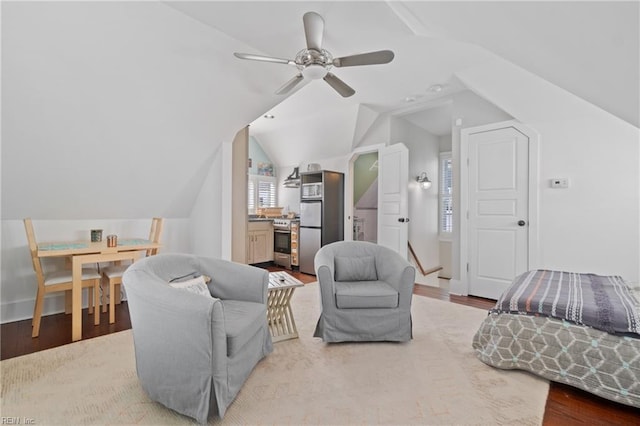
[(112, 274), (59, 280)]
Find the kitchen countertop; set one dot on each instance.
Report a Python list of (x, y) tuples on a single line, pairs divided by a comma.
[(270, 219)]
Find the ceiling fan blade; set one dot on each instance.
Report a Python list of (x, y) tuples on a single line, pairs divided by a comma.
[(286, 88), (340, 86), (371, 58), (261, 58), (313, 30)]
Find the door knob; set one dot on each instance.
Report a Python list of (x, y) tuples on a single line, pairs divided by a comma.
[(401, 219), (521, 223)]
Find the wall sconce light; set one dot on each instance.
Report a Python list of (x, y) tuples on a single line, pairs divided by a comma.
[(424, 181)]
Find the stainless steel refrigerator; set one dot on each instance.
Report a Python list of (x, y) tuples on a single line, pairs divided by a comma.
[(321, 214)]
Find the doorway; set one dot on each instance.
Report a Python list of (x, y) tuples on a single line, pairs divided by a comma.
[(365, 197)]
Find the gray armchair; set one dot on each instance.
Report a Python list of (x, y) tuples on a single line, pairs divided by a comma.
[(194, 352), (366, 292)]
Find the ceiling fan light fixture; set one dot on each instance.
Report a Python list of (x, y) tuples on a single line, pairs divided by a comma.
[(314, 72)]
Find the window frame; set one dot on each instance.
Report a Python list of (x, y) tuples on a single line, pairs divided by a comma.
[(443, 196), (256, 180)]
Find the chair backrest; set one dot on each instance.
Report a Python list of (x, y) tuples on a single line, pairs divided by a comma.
[(154, 234), (33, 249)]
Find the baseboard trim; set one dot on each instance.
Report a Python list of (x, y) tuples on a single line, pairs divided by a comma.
[(458, 287), (23, 309)]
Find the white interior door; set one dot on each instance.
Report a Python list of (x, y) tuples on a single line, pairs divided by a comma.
[(498, 182), (393, 175)]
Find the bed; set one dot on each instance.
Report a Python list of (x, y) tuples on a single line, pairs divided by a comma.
[(579, 329)]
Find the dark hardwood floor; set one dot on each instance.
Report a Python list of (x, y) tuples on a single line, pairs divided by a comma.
[(565, 405)]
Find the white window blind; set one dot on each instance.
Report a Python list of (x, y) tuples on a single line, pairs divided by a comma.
[(251, 193), (266, 194), (446, 194), (261, 192)]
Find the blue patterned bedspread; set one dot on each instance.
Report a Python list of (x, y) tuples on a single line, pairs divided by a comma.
[(602, 302)]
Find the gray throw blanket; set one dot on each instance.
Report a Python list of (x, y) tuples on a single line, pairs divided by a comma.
[(602, 302)]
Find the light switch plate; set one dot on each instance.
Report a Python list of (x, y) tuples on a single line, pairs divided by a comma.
[(559, 183)]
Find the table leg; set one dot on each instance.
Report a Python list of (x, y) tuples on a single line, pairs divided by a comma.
[(76, 296), (279, 314), (67, 301)]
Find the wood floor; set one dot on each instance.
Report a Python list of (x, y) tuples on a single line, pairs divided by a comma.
[(565, 405)]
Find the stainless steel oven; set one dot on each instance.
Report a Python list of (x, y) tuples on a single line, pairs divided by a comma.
[(282, 242)]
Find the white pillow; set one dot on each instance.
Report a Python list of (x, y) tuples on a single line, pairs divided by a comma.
[(194, 285)]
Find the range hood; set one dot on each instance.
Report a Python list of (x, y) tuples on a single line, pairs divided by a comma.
[(293, 180)]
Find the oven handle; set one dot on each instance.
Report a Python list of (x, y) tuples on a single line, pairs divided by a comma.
[(282, 231)]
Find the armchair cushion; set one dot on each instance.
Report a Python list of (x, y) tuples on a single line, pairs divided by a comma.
[(365, 294), (362, 268), (242, 320)]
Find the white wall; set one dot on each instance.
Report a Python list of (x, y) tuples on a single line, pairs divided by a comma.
[(446, 258), (445, 143), (18, 281), (107, 108), (110, 115), (594, 225), (374, 131), (288, 198), (206, 217), (199, 234)]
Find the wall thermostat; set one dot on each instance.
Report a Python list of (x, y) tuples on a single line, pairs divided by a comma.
[(559, 183)]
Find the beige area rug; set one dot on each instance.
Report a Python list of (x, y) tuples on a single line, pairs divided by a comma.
[(434, 379)]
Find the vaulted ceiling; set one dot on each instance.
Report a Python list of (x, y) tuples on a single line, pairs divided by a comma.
[(590, 49), (105, 101)]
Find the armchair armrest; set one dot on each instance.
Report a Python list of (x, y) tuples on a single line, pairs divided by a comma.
[(236, 281), (324, 266), (398, 273)]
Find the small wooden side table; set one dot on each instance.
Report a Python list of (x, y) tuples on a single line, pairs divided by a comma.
[(279, 314)]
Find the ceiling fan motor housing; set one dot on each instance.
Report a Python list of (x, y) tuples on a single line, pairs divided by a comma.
[(314, 64)]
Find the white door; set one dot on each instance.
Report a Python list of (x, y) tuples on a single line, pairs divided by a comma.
[(498, 191), (393, 175)]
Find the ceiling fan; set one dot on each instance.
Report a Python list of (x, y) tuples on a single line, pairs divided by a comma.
[(315, 63)]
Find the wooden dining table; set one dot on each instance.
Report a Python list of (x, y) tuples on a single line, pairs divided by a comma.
[(84, 252)]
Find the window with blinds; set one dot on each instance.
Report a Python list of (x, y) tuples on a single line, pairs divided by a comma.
[(261, 192), (446, 194)]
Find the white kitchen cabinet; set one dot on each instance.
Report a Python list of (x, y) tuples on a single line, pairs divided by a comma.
[(260, 244)]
